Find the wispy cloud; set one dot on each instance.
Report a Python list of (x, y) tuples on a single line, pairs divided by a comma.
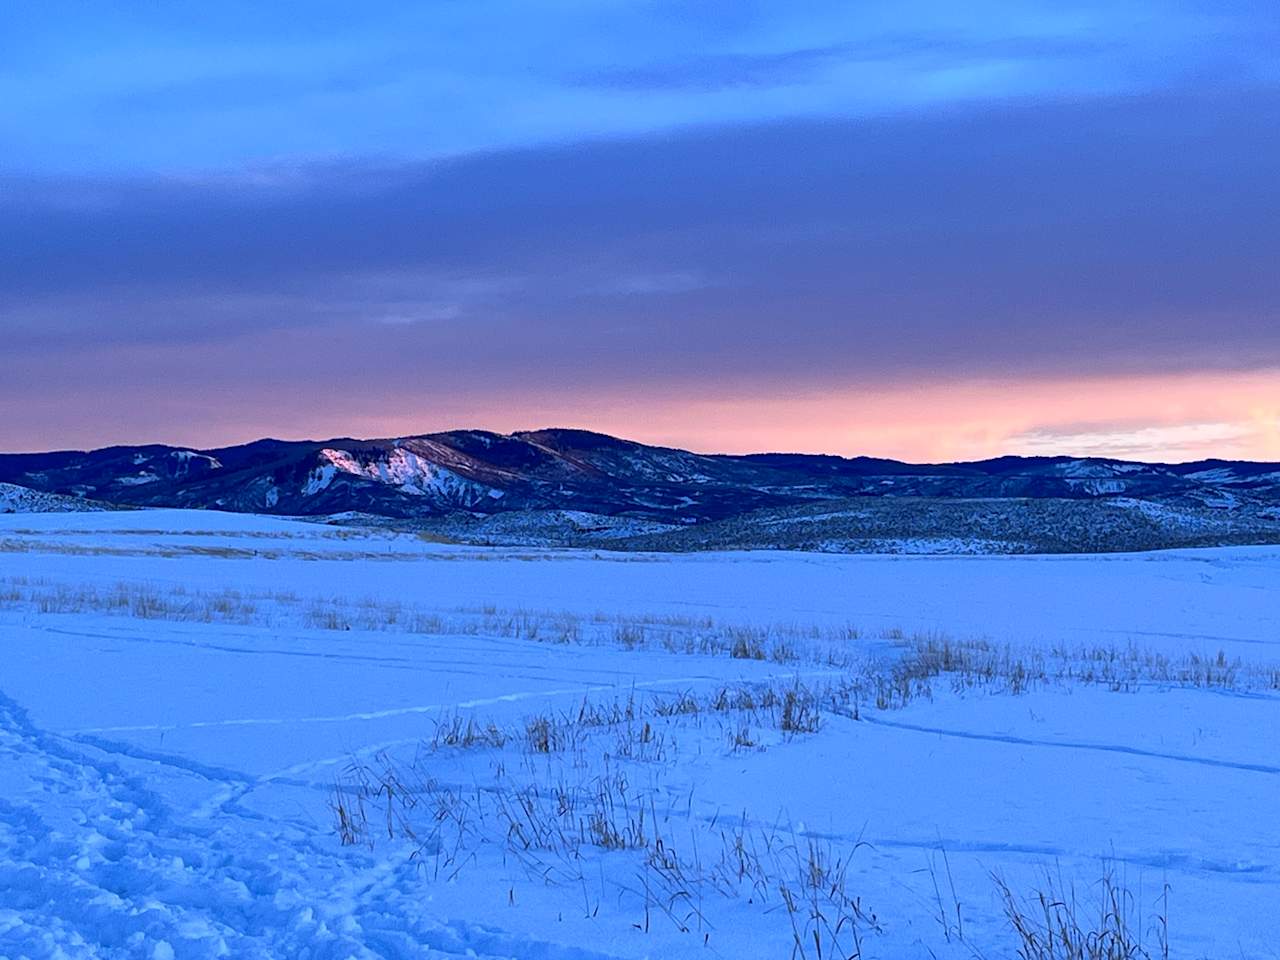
[(1073, 238), (100, 87), (1174, 442), (908, 52)]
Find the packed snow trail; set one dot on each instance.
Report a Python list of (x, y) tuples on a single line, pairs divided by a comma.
[(95, 864)]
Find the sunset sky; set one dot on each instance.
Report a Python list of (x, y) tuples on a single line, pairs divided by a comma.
[(931, 231)]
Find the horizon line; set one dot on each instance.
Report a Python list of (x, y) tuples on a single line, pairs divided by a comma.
[(611, 436)]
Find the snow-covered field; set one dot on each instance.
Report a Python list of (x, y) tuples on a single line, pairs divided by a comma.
[(224, 735)]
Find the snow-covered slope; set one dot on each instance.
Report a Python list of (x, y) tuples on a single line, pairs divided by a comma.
[(15, 499), (404, 470)]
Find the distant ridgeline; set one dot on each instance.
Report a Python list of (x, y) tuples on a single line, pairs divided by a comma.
[(577, 487)]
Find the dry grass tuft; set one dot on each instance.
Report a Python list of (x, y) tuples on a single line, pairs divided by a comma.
[(1054, 923)]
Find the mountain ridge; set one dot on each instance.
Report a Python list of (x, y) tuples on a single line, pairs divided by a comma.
[(471, 479)]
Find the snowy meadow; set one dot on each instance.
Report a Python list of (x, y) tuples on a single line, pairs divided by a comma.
[(227, 735)]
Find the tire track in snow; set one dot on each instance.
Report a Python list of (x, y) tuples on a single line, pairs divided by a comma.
[(1076, 745), (514, 697)]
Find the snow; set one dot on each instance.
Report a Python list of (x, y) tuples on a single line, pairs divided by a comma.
[(1228, 475), (1097, 487), (1148, 508), (921, 545), (404, 470), (189, 455), (343, 460), (1085, 469), (159, 524), (23, 500), (181, 691), (319, 479)]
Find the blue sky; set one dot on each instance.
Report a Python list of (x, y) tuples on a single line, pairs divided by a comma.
[(185, 87), (493, 213)]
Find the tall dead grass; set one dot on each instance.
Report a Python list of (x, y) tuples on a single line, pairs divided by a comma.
[(1057, 922)]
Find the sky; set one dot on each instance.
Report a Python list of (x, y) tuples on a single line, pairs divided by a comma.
[(923, 230)]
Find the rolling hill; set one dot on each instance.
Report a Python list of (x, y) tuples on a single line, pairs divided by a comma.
[(574, 486)]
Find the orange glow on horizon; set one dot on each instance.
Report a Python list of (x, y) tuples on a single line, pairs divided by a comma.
[(1165, 418), (1173, 417)]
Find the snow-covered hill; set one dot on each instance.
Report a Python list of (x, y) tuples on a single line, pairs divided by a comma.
[(15, 499), (489, 486)]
